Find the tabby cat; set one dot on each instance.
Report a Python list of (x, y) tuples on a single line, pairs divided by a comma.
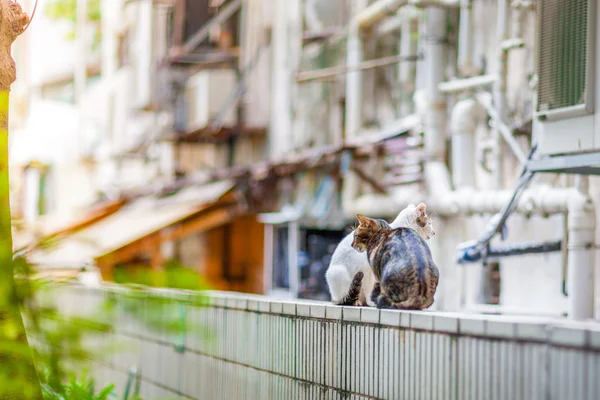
[(349, 276), (406, 276)]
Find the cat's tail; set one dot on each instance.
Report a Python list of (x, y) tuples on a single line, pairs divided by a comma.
[(351, 299)]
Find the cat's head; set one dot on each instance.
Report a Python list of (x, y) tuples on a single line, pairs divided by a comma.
[(365, 230), (417, 219)]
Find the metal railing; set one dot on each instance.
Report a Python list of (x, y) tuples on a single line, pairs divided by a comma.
[(250, 347)]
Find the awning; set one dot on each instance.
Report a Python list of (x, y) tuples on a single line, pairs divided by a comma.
[(135, 221)]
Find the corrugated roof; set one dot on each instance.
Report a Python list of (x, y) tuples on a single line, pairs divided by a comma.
[(132, 222)]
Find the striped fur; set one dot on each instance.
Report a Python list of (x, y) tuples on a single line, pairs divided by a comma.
[(353, 295), (401, 261)]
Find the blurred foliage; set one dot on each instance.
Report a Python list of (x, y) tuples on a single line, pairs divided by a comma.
[(161, 311), (58, 341), (82, 389), (173, 275), (66, 10)]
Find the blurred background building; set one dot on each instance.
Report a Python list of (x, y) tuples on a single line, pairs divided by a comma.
[(240, 139)]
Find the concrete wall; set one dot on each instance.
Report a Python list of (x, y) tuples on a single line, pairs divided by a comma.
[(257, 348)]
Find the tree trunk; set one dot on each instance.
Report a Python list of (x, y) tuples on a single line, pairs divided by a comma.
[(18, 377)]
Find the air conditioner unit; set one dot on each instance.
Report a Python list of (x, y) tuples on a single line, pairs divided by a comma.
[(565, 120), (207, 96)]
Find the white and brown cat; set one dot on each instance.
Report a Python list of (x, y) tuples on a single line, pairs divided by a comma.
[(349, 276)]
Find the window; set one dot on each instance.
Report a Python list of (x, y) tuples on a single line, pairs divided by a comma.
[(317, 247)]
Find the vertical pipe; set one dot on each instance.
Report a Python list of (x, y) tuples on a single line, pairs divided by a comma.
[(407, 71), (581, 222), (465, 39), (353, 117), (280, 124), (500, 90), (435, 59), (465, 116)]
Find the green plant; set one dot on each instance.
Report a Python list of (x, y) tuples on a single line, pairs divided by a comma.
[(82, 389)]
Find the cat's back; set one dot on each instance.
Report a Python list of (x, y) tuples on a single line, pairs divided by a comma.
[(345, 255), (403, 242), (410, 274)]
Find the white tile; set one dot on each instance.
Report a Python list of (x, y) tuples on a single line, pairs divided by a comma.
[(443, 323), (351, 314), (369, 315), (289, 308), (532, 331), (317, 310), (472, 325), (333, 312), (264, 306), (421, 320), (568, 336), (503, 329), (276, 307), (389, 318), (303, 309)]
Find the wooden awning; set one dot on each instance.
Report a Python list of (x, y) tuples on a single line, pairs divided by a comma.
[(143, 222)]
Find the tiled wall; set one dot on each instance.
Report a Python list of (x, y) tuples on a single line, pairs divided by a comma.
[(261, 349)]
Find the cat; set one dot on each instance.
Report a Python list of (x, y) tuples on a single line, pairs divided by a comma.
[(349, 276), (406, 275)]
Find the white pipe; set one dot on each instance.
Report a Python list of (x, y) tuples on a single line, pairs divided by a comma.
[(500, 91), (472, 83), (407, 71), (435, 64), (466, 115), (435, 3), (540, 200), (354, 98), (465, 39), (280, 121), (581, 223), (374, 13)]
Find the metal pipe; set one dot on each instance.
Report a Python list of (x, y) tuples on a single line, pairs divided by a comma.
[(500, 91), (435, 3), (407, 71), (377, 11), (435, 64), (500, 126), (581, 252), (540, 200), (462, 85), (464, 256), (465, 39), (465, 117), (325, 73), (354, 81)]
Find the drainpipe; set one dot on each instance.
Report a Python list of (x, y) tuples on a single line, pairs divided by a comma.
[(377, 11), (500, 90), (581, 221), (465, 117), (435, 63), (353, 117), (465, 40), (407, 71)]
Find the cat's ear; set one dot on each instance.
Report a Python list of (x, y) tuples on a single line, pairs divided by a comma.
[(362, 221), (366, 222)]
